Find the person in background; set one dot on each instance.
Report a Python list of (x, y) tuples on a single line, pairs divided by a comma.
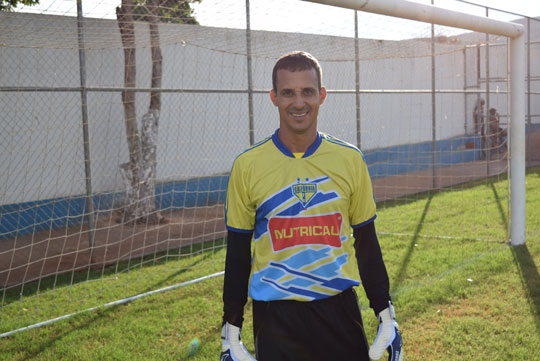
[(496, 134), (478, 116)]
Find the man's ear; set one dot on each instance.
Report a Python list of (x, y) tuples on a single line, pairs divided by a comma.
[(273, 97), (322, 95)]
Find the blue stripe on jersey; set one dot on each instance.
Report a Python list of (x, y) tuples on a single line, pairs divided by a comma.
[(312, 148), (268, 207), (283, 149), (365, 222), (256, 145), (336, 283), (282, 196), (287, 279), (239, 230), (298, 260), (332, 267), (279, 145), (319, 198), (342, 143), (297, 290)]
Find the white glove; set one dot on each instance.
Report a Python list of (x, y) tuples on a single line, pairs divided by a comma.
[(388, 337), (232, 348)]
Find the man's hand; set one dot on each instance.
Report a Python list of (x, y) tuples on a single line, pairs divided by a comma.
[(232, 348), (388, 337)]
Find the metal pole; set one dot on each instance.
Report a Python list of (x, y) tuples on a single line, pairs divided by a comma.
[(486, 113), (429, 14), (465, 89), (481, 120), (249, 76), (433, 108), (357, 82), (517, 141), (529, 145), (86, 137)]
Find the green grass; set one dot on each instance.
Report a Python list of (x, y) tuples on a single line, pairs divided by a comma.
[(461, 293)]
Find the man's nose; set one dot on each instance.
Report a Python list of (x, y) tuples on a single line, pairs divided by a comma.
[(298, 101)]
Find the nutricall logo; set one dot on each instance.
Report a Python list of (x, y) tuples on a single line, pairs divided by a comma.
[(304, 191), (287, 232)]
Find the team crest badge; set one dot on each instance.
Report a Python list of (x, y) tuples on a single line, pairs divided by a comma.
[(304, 191)]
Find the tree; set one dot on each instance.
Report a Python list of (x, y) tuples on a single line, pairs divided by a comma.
[(169, 11), (139, 172), (8, 5)]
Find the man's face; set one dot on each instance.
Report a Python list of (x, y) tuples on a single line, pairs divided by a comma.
[(298, 99)]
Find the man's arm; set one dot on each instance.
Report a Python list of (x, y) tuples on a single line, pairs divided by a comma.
[(371, 267), (237, 271), (377, 286), (235, 292)]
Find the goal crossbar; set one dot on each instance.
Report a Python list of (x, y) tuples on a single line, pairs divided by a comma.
[(439, 16)]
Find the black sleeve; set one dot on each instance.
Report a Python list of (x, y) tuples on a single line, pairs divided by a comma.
[(371, 267), (237, 271)]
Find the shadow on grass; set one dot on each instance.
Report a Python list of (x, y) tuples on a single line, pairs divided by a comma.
[(165, 281), (400, 275), (16, 293), (41, 344), (420, 196), (530, 278), (201, 250), (499, 205), (428, 194)]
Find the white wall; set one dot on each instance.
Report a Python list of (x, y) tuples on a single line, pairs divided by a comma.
[(41, 151)]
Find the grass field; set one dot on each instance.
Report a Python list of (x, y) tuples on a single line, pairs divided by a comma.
[(461, 293)]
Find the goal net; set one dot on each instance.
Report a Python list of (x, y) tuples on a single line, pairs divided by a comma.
[(106, 195)]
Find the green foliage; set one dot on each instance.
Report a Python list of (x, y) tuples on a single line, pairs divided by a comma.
[(170, 11), (8, 5)]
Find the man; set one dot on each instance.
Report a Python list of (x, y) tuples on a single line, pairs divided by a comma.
[(301, 195), (496, 134), (478, 116)]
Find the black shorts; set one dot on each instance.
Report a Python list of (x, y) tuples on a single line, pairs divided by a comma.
[(329, 329)]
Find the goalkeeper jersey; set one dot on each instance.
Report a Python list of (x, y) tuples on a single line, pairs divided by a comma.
[(301, 212)]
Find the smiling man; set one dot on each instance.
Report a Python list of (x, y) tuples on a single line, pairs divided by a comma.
[(305, 200), (297, 95)]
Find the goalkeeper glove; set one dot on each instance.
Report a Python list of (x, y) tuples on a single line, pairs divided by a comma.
[(388, 337), (232, 348)]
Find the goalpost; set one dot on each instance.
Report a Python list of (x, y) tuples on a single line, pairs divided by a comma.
[(64, 248), (431, 14)]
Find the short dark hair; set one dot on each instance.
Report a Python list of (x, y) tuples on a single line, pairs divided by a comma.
[(297, 61)]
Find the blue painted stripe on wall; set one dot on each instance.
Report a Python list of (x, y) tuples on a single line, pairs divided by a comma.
[(28, 217), (415, 157)]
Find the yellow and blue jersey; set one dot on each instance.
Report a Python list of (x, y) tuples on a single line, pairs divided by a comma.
[(301, 212)]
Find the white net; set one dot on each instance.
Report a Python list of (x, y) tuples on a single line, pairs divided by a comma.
[(412, 116)]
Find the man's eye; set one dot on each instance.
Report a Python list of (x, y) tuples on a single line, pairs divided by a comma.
[(309, 92)]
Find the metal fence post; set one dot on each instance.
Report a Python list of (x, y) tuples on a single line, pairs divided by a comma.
[(357, 82), (84, 112), (249, 76), (433, 107)]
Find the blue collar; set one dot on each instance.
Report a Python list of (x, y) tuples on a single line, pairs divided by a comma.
[(312, 148)]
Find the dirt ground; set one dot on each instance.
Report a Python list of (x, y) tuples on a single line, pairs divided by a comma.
[(41, 254)]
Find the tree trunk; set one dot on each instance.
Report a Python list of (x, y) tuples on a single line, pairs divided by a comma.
[(139, 173), (150, 121)]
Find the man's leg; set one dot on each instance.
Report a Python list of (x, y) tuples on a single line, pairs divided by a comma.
[(329, 329)]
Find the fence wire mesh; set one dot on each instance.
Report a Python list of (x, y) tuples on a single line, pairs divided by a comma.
[(411, 114)]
